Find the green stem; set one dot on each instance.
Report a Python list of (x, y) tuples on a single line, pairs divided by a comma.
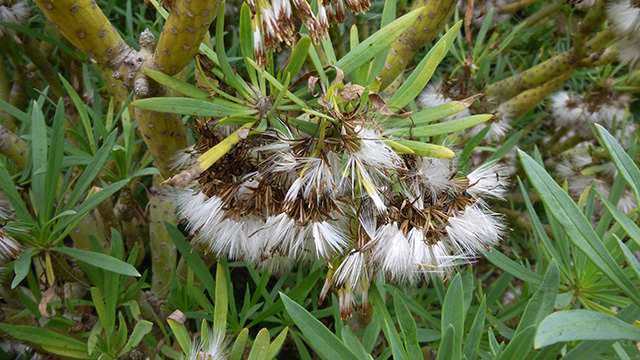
[(13, 147)]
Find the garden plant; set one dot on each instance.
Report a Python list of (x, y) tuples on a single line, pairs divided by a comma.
[(326, 179)]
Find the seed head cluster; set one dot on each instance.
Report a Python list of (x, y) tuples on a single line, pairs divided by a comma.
[(338, 193), (274, 22)]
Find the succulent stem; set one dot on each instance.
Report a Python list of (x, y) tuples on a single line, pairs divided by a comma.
[(428, 25), (13, 147), (163, 251), (182, 34), (85, 26)]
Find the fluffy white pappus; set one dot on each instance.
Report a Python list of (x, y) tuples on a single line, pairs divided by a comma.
[(565, 169), (212, 348), (375, 153), (435, 175), (496, 131), (184, 158), (567, 109), (627, 201), (279, 234), (328, 239), (432, 97), (394, 254), (226, 238), (320, 177), (9, 248), (629, 50), (625, 17), (475, 229), (488, 181), (435, 260), (610, 114), (355, 172), (352, 271), (199, 210), (15, 13)]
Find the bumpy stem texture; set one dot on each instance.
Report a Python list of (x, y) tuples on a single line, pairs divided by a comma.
[(5, 89), (183, 32), (435, 15), (163, 251), (529, 99), (85, 26), (86, 228), (13, 147)]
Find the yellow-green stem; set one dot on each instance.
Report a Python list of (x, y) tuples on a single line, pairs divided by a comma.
[(431, 21), (183, 32), (13, 147), (85, 26)]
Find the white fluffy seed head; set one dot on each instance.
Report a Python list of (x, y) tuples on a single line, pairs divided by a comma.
[(625, 17), (488, 181), (475, 229), (15, 13)]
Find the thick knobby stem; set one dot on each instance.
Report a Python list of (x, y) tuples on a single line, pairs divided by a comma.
[(13, 147), (183, 32), (163, 251), (85, 26), (435, 15)]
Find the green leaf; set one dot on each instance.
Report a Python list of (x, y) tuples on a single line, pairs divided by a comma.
[(44, 337), (447, 349), (351, 340), (520, 344), (453, 315), (385, 321), (82, 110), (408, 327), (470, 350), (177, 85), (588, 350), (239, 345), (572, 325), (504, 263), (88, 205), (91, 171), (181, 334), (624, 163), (543, 300), (276, 345), (508, 144), (222, 302), (21, 266), (246, 40), (419, 78), (234, 79), (260, 347), (99, 260), (193, 259), (298, 57), (215, 107), (576, 226), (142, 328), (416, 82), (39, 152), (426, 116), (56, 153), (366, 50), (388, 15), (627, 224), (323, 341), (446, 127), (9, 188)]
